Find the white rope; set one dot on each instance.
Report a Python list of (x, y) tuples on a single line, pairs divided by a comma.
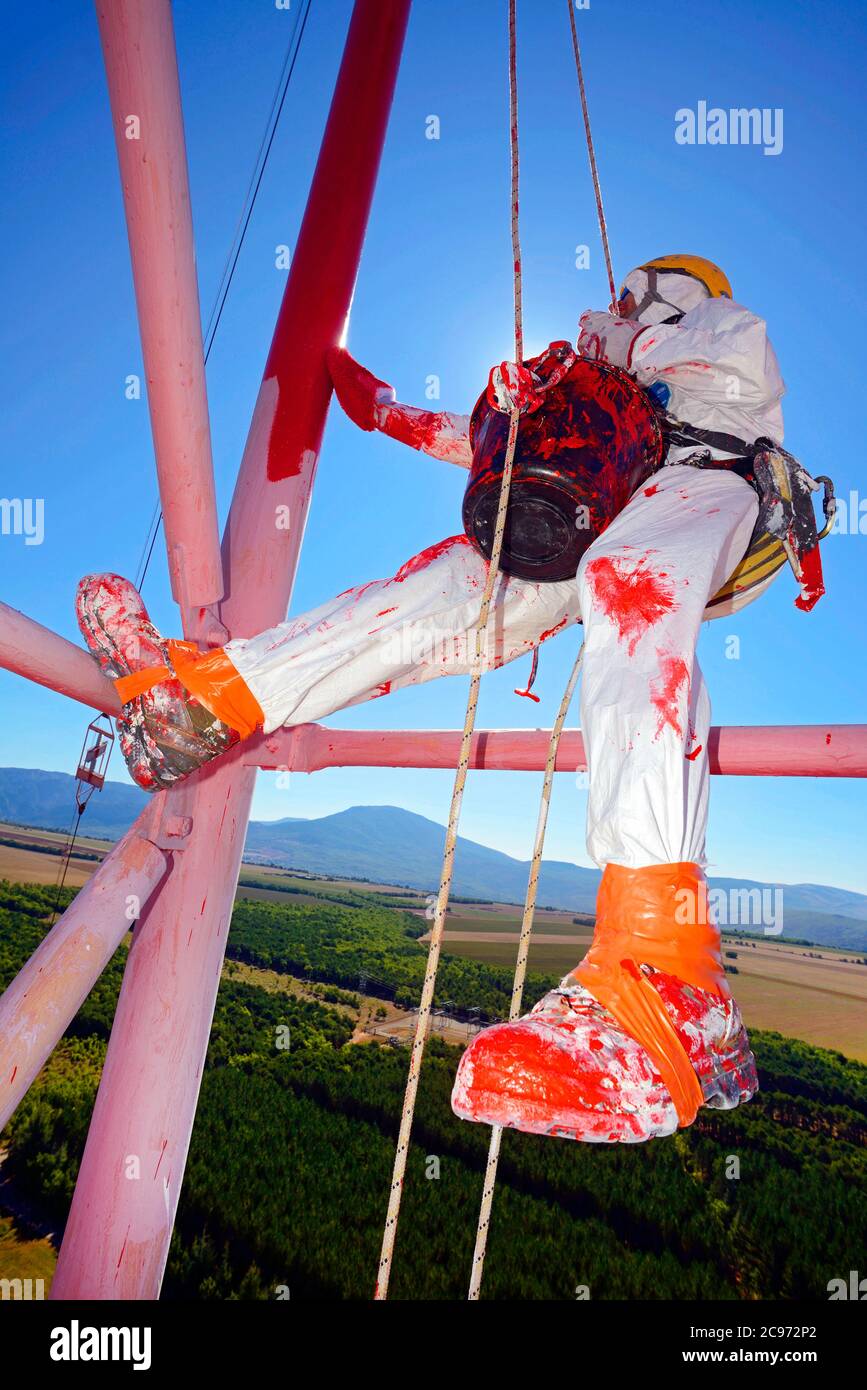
[(594, 172), (438, 928), (521, 969)]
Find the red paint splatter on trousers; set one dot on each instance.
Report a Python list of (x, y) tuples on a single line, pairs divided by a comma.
[(549, 632), (426, 557), (649, 491), (631, 595), (691, 757), (382, 612), (383, 689), (665, 691)]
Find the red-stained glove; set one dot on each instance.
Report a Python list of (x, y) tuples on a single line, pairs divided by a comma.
[(511, 385), (357, 389), (524, 386)]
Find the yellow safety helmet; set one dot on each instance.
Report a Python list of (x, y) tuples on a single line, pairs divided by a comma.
[(715, 281)]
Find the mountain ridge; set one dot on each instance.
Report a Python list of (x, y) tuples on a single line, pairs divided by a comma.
[(388, 844)]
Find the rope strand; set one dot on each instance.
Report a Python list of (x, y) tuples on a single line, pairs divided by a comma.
[(600, 211), (480, 632), (438, 929), (521, 970)]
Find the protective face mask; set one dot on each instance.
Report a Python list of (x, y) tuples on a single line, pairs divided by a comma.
[(663, 294)]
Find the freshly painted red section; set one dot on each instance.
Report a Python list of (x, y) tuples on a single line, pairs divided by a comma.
[(279, 465), (631, 594), (329, 243), (786, 750)]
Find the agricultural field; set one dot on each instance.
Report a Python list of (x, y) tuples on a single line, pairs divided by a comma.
[(817, 994), (804, 992), (292, 1148)]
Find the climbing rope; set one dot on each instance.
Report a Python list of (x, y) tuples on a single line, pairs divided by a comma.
[(594, 172), (437, 931), (550, 763), (480, 631), (521, 968)]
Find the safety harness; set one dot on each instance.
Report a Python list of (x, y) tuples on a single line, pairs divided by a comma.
[(786, 527)]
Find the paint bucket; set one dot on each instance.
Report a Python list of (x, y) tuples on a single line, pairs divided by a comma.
[(578, 460)]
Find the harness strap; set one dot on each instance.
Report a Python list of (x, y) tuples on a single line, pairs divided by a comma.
[(654, 916), (679, 432)]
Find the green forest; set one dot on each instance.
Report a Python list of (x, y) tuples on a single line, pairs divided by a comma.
[(291, 1155)]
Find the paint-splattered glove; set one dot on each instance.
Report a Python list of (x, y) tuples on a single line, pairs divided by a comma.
[(358, 390), (524, 386)]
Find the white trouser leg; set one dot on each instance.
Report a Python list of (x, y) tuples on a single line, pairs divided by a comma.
[(394, 632), (645, 712)]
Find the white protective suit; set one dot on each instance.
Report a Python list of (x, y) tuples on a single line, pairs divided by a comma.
[(640, 591)]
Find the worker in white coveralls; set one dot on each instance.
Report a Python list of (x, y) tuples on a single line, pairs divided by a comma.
[(644, 1031)]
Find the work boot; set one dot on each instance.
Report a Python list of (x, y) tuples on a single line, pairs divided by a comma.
[(638, 1065), (166, 729)]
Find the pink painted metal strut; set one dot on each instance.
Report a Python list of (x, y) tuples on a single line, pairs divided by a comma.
[(139, 47), (41, 655), (118, 1231), (45, 996), (794, 750)]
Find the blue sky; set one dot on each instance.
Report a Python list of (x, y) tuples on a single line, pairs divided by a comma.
[(434, 296)]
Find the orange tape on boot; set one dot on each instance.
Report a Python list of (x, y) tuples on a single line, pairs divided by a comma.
[(654, 916), (208, 676), (140, 682), (218, 685)]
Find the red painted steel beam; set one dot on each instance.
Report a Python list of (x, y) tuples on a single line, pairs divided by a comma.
[(47, 993), (34, 651), (138, 45), (118, 1232), (269, 508), (794, 750)]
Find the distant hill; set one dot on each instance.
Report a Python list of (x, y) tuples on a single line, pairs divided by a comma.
[(386, 844), (45, 800)]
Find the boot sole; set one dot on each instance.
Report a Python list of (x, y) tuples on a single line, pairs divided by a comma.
[(730, 1083)]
